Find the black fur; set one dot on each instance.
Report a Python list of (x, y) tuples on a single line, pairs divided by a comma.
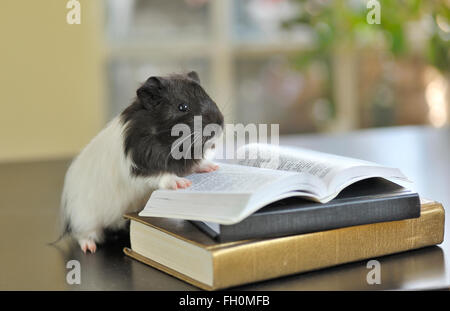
[(150, 118)]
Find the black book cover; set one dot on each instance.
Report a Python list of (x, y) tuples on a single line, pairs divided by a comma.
[(365, 202)]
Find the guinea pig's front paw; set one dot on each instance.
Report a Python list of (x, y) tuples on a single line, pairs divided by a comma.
[(174, 182), (206, 167), (87, 244)]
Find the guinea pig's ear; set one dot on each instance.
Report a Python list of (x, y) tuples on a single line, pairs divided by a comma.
[(150, 92), (194, 76)]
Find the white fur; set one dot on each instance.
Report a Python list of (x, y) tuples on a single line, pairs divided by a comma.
[(99, 187)]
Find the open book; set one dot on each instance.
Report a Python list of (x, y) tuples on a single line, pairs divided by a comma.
[(263, 174)]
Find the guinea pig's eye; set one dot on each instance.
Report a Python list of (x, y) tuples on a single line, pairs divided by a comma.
[(183, 107)]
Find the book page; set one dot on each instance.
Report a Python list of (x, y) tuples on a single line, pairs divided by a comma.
[(227, 195), (319, 164), (335, 171), (233, 178)]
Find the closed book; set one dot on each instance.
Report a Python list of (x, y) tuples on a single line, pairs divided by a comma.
[(368, 201), (180, 249)]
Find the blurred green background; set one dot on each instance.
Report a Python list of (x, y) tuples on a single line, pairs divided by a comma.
[(308, 65)]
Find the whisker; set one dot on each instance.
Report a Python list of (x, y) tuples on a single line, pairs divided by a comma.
[(174, 147), (192, 144)]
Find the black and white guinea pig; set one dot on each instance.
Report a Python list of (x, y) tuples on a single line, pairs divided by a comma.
[(117, 171)]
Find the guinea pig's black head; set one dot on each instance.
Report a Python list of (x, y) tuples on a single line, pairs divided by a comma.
[(157, 125)]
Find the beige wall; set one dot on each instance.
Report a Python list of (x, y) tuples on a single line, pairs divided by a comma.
[(51, 87)]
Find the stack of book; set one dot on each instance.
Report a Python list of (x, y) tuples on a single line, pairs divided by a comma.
[(258, 219)]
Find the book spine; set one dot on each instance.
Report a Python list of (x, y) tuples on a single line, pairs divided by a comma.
[(272, 258), (335, 215)]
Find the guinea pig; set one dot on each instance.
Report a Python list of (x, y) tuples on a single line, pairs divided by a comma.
[(132, 156)]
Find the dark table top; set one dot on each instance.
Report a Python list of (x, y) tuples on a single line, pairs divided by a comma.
[(30, 194)]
